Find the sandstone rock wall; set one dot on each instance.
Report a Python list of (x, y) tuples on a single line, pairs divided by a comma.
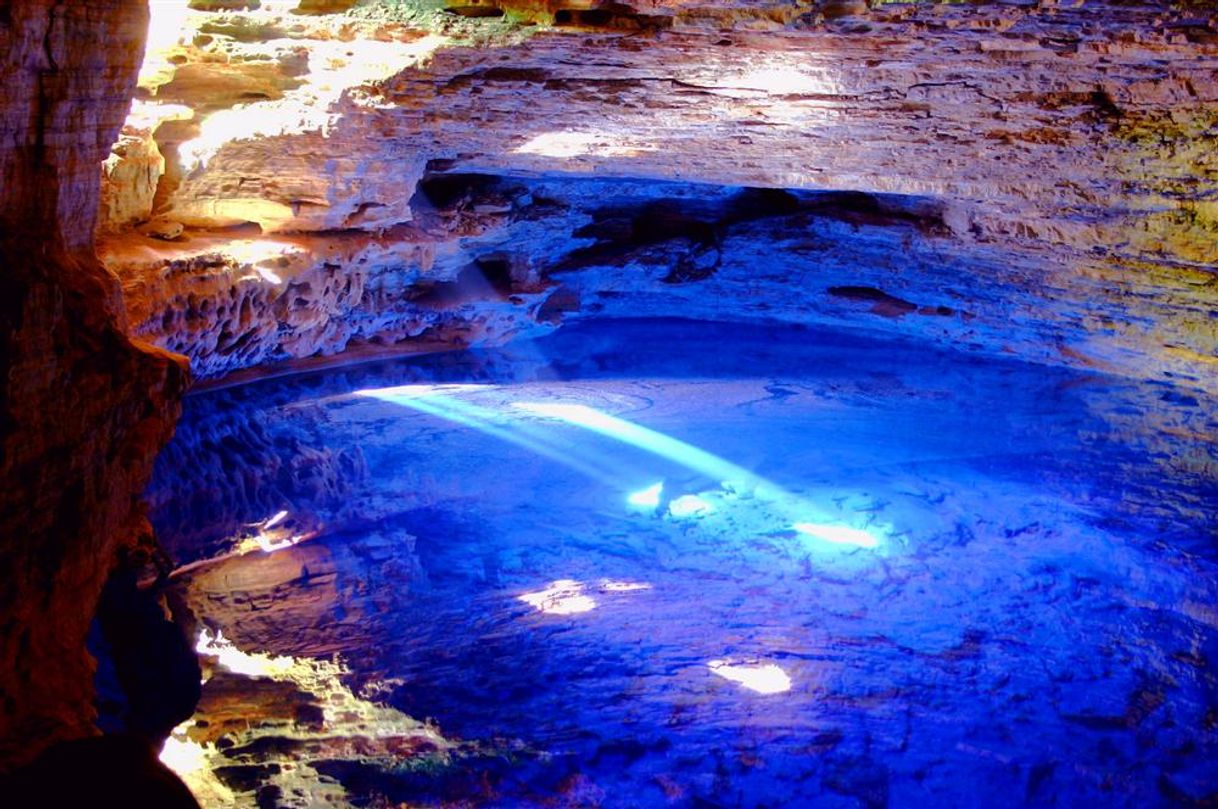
[(1067, 150), (83, 408)]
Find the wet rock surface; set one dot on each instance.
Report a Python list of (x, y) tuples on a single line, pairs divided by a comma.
[(932, 578)]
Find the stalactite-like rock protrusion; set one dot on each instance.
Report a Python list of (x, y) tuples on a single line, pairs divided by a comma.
[(83, 408)]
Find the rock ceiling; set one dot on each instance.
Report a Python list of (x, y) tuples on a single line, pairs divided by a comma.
[(1026, 178)]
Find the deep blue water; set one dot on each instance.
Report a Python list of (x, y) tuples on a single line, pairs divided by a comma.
[(872, 573)]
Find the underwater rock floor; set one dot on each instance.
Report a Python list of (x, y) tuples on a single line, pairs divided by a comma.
[(662, 563)]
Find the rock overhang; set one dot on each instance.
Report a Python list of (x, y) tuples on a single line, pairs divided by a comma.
[(1069, 138)]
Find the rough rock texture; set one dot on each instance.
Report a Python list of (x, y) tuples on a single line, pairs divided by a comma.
[(235, 303), (1035, 622), (83, 408), (131, 175), (1065, 150), (486, 260)]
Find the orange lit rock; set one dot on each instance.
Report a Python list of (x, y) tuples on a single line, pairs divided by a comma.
[(132, 173), (83, 408)]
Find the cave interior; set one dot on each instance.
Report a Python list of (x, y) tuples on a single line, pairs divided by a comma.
[(578, 403)]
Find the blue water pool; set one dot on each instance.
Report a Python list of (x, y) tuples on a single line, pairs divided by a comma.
[(665, 563)]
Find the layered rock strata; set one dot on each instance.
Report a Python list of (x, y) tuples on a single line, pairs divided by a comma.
[(83, 408), (1063, 152), (508, 258)]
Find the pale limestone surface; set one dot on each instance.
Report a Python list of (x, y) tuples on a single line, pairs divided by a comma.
[(1063, 150)]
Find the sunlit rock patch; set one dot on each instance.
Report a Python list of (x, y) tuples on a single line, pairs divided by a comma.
[(264, 718), (1061, 156)]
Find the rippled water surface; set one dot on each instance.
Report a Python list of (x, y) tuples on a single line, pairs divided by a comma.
[(680, 564)]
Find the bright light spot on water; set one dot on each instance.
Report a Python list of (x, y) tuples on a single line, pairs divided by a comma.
[(610, 586), (838, 534), (738, 483), (563, 597), (764, 678), (736, 488), (568, 596), (647, 498), (738, 480), (689, 505)]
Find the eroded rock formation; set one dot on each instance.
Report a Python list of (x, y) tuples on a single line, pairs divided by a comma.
[(83, 408), (1051, 164), (302, 178)]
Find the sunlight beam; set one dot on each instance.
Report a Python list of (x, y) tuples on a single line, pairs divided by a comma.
[(762, 678), (667, 447), (437, 400), (838, 534)]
